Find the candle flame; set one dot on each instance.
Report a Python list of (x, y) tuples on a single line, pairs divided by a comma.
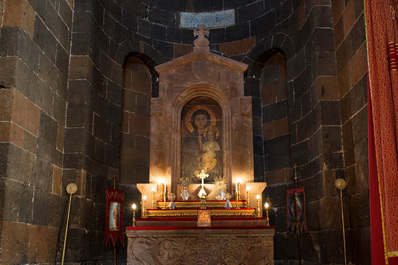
[(134, 206)]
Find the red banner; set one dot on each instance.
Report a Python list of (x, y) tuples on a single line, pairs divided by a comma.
[(114, 213)]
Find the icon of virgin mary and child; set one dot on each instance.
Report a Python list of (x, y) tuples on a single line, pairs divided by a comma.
[(200, 148)]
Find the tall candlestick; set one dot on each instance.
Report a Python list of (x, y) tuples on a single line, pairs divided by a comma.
[(153, 198), (266, 206), (134, 207), (161, 190), (247, 197), (237, 194), (164, 197), (258, 205), (143, 212)]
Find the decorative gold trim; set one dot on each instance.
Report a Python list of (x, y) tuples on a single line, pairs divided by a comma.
[(392, 254), (209, 204), (194, 212)]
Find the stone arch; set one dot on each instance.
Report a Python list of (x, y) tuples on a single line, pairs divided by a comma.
[(135, 111), (208, 91), (269, 116)]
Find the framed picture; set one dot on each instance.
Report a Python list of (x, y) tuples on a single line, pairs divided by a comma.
[(296, 217)]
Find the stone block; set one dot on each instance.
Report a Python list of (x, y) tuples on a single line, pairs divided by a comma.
[(284, 11), (8, 66), (43, 244), (139, 124), (237, 32), (101, 129), (348, 17), (25, 113), (65, 12), (19, 13), (358, 66), (277, 176), (42, 175), (330, 243), (20, 164), (262, 24), (48, 129), (360, 125), (331, 139), (158, 32), (81, 68), (361, 243), (274, 111), (238, 47), (56, 180), (15, 244), (144, 27), (337, 9)]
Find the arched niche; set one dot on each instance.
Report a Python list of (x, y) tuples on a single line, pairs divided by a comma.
[(187, 100)]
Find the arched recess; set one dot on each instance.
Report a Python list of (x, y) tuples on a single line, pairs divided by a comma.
[(210, 92), (267, 84), (275, 111), (134, 147)]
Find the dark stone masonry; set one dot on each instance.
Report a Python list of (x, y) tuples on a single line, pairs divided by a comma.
[(76, 79)]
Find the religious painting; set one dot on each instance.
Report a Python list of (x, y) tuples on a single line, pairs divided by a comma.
[(296, 218), (202, 136), (114, 216)]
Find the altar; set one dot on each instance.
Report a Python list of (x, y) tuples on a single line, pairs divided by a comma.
[(201, 205)]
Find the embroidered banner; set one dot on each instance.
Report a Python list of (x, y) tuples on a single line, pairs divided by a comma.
[(114, 213)]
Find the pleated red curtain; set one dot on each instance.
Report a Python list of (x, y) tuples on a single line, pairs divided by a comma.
[(382, 39)]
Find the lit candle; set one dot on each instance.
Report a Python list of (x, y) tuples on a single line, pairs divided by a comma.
[(134, 207), (266, 205)]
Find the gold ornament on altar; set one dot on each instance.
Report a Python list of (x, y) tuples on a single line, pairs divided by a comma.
[(220, 182), (184, 184)]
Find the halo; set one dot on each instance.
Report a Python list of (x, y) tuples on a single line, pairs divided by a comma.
[(188, 116), (215, 129)]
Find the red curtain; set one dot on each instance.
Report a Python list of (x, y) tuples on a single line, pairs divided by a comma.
[(382, 37)]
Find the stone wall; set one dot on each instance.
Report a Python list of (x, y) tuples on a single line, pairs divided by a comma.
[(34, 55), (350, 43), (61, 94)]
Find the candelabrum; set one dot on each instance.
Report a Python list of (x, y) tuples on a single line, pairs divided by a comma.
[(266, 206), (237, 194), (134, 207), (258, 205), (153, 198), (143, 213), (247, 197)]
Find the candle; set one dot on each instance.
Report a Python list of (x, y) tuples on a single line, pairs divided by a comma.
[(247, 197), (258, 205), (134, 207)]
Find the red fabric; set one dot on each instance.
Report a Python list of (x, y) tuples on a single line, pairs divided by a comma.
[(182, 218), (196, 227), (393, 261), (382, 36), (375, 216)]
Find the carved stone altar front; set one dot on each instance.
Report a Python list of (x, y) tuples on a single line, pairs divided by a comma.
[(201, 246)]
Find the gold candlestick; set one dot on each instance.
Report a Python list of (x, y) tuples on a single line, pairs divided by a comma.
[(247, 197), (161, 190), (134, 207), (164, 197), (153, 198), (266, 206), (237, 195), (143, 213), (258, 205)]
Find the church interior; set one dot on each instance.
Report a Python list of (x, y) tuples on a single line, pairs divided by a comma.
[(187, 107)]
